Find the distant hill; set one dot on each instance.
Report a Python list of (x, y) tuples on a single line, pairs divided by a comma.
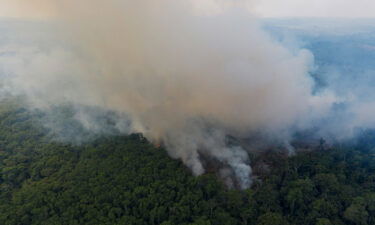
[(343, 50)]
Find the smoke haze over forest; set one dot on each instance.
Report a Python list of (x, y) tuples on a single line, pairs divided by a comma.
[(188, 79)]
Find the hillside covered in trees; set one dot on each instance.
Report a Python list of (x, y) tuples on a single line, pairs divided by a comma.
[(126, 180)]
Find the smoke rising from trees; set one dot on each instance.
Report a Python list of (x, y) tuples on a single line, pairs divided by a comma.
[(183, 77)]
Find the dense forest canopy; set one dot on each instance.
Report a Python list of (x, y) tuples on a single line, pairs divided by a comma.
[(158, 112), (126, 180)]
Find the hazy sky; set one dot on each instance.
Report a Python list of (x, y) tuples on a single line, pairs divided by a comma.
[(264, 8), (316, 8), (21, 9)]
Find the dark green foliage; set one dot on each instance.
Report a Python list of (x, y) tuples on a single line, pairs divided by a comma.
[(126, 180)]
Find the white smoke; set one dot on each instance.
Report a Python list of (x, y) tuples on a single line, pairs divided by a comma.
[(184, 77)]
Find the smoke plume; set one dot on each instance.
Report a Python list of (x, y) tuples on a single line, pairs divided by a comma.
[(183, 76)]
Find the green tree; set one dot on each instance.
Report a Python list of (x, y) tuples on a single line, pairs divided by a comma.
[(272, 219), (356, 212)]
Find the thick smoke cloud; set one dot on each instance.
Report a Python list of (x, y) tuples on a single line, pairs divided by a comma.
[(184, 78)]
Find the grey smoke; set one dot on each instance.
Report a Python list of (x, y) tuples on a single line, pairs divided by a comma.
[(181, 77)]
